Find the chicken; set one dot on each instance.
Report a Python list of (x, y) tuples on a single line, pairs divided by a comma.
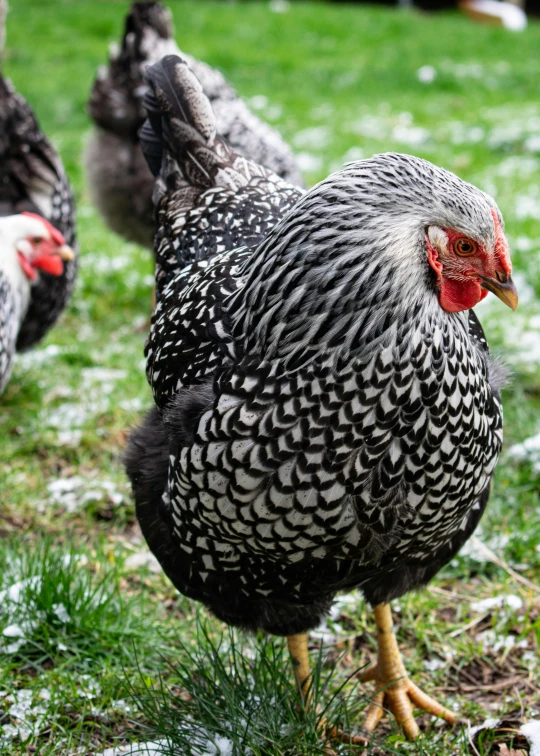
[(327, 416), (120, 182), (29, 248), (33, 180)]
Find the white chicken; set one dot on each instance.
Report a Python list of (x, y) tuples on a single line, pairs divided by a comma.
[(29, 245)]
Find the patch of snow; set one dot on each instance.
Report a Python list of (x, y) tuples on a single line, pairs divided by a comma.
[(347, 601), (132, 405), (527, 206), (102, 374), (498, 542), (279, 6), (530, 660), (12, 599), (15, 593), (28, 717), (353, 154), (327, 635), (220, 747), (37, 357), (90, 687), (85, 332), (399, 127), (69, 559), (142, 559), (414, 136), (324, 110), (62, 613), (315, 137), (432, 665), (473, 551), (521, 166), (272, 113), (462, 133), (497, 602), (372, 127), (527, 295), (529, 342), (308, 162), (488, 724), (73, 493), (69, 437), (527, 450), (531, 730), (490, 640), (523, 244), (258, 102), (13, 631), (121, 705), (426, 74), (532, 144), (103, 264), (69, 415), (470, 70)]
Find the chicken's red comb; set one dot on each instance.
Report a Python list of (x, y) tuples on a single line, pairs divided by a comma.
[(501, 245), (55, 234)]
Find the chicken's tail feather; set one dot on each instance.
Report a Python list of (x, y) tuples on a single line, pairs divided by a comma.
[(182, 125), (147, 24)]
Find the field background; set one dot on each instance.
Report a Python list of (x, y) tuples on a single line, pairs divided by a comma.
[(82, 608)]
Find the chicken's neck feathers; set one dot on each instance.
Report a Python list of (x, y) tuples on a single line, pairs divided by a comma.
[(18, 282), (310, 299), (348, 263)]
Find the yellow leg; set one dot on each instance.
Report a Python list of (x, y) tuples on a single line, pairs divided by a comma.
[(394, 690), (298, 649)]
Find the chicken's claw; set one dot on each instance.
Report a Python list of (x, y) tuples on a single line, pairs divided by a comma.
[(394, 691)]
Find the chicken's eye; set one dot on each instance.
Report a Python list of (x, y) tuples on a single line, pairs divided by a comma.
[(36, 240), (465, 247)]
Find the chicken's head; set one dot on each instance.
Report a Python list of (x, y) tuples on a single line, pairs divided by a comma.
[(467, 268), (40, 246), (37, 244)]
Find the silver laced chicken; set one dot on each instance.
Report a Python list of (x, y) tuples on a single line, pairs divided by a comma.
[(328, 416)]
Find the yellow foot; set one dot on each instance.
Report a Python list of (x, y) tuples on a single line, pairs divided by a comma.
[(394, 691), (399, 697)]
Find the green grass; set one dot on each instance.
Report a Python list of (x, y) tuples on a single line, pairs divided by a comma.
[(340, 82)]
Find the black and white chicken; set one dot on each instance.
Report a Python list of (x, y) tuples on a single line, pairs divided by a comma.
[(328, 415), (120, 182), (33, 180), (30, 248)]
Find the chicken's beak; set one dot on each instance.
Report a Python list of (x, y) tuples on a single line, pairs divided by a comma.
[(504, 289), (65, 253)]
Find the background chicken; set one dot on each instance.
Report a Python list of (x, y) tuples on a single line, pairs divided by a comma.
[(120, 182), (33, 180), (329, 414), (29, 248)]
